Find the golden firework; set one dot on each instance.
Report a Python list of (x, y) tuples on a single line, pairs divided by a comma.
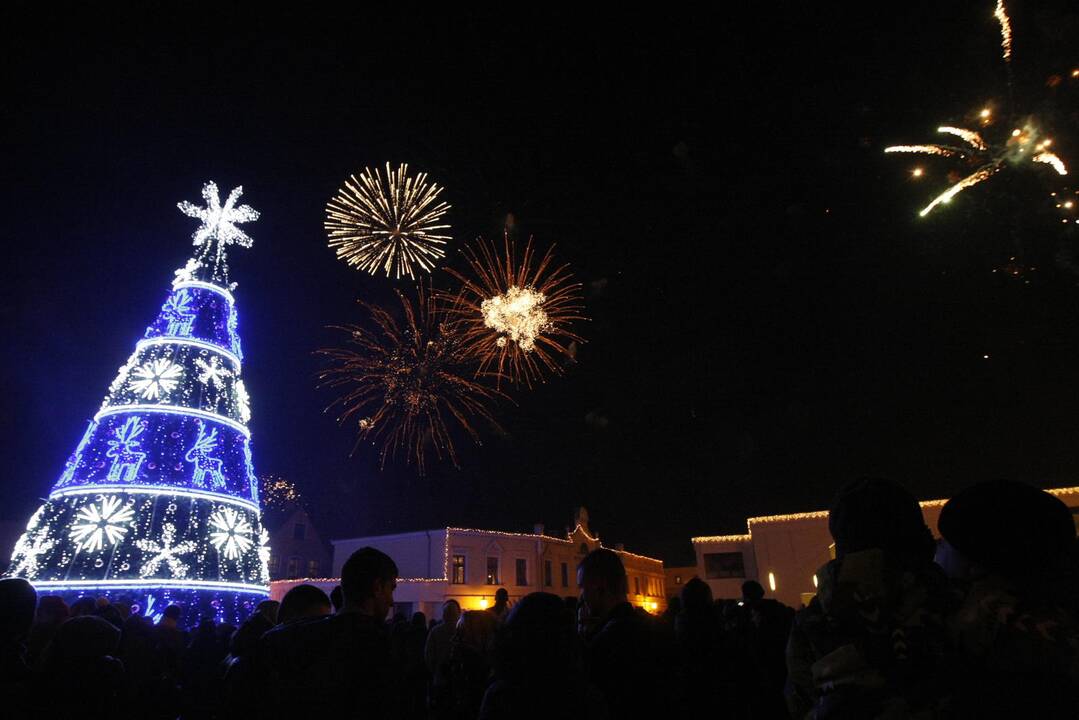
[(388, 224), (515, 314), (405, 382)]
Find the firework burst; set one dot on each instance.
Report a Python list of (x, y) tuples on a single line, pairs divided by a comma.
[(515, 314), (984, 159), (390, 224), (405, 382)]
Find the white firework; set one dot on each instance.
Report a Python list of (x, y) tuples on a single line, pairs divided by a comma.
[(156, 378), (264, 556), (219, 221), (232, 534), (165, 552), (27, 553), (243, 401), (101, 526), (213, 372)]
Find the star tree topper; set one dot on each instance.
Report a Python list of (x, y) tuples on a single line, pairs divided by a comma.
[(218, 229)]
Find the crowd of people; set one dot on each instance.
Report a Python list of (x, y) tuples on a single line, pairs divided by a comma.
[(982, 623)]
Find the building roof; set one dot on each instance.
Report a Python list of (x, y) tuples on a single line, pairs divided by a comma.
[(818, 514)]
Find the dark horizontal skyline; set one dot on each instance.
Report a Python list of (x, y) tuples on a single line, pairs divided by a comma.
[(769, 319)]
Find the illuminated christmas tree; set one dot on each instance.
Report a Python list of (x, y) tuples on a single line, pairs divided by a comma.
[(159, 503)]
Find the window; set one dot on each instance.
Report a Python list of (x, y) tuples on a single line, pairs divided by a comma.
[(293, 568), (492, 571), (636, 586), (521, 567), (458, 577), (724, 565), (565, 575), (312, 568), (299, 531), (275, 564), (547, 573)]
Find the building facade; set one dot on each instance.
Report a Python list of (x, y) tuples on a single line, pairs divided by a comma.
[(296, 549), (470, 565), (784, 552)]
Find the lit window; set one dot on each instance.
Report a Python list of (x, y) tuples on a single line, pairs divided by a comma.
[(458, 570), (293, 568), (677, 579), (521, 566), (492, 571)]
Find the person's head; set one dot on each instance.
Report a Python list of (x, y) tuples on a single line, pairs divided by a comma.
[(171, 615), (476, 631), (696, 597), (502, 597), (419, 621), (1008, 527), (601, 579), (304, 601), (110, 614), (879, 514), (52, 610), (451, 611), (368, 579), (83, 606), (337, 598), (84, 638), (268, 609), (752, 592), (537, 638), (18, 600)]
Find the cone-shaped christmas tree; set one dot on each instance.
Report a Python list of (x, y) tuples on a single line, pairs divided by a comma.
[(159, 502)]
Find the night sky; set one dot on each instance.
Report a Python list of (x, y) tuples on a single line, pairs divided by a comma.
[(770, 319)]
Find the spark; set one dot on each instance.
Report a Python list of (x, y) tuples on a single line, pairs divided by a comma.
[(916, 172), (1005, 30), (967, 182), (1050, 159), (971, 137), (516, 314), (924, 150), (388, 224), (408, 381)]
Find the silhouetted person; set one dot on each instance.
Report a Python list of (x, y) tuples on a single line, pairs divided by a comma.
[(413, 669), (338, 665), (17, 601), (83, 606), (146, 685), (1011, 546), (621, 646), (82, 659), (202, 671), (872, 640), (304, 601), (471, 656), (52, 611), (702, 655), (337, 598), (436, 657), (537, 665), (502, 604), (251, 629)]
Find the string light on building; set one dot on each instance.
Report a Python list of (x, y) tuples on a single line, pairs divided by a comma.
[(159, 499)]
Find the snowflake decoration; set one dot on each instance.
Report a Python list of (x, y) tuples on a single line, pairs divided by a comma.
[(232, 536), (213, 372), (156, 378), (264, 556), (165, 552), (101, 526), (28, 551), (186, 273), (243, 401), (219, 221)]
